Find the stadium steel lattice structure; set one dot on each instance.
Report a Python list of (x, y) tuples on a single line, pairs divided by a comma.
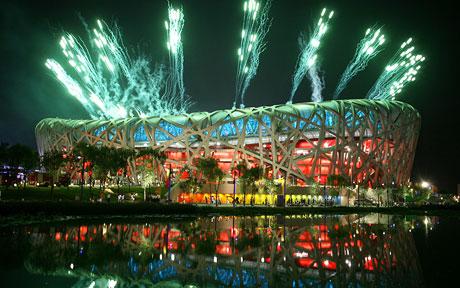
[(372, 142)]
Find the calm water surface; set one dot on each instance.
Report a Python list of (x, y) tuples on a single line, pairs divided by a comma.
[(266, 251)]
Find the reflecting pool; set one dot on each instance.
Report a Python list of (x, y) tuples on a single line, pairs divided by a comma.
[(371, 250)]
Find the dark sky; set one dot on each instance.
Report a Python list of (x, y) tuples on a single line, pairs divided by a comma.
[(30, 31)]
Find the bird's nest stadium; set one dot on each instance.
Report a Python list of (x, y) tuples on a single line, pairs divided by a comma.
[(372, 142)]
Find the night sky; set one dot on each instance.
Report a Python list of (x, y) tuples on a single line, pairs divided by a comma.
[(30, 31)]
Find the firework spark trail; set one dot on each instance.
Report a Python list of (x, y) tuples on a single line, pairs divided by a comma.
[(400, 70), (308, 58), (110, 47), (141, 93), (174, 26), (368, 48), (114, 85), (256, 25), (317, 83), (90, 77), (72, 86)]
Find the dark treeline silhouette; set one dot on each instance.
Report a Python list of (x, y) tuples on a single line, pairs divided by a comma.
[(15, 159)]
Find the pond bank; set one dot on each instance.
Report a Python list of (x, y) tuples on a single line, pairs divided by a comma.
[(75, 208)]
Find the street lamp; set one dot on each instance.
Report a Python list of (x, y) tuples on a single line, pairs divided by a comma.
[(234, 186), (392, 193), (386, 190), (169, 181), (358, 191), (82, 180), (351, 163), (425, 184), (351, 174), (284, 189)]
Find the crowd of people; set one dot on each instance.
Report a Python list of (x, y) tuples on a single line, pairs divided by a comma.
[(310, 202), (107, 197), (235, 201)]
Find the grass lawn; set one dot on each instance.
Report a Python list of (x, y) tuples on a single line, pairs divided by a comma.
[(38, 202), (31, 193)]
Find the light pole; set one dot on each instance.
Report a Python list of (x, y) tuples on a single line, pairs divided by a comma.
[(392, 192), (351, 174), (383, 186), (325, 198), (284, 189), (388, 199), (169, 182), (234, 186), (82, 176), (234, 189), (358, 192)]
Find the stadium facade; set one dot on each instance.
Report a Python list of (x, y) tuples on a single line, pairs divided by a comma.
[(372, 142)]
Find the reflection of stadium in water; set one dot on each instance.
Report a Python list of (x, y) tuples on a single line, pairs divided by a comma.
[(230, 251)]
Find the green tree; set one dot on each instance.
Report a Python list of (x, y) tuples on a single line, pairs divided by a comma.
[(154, 158), (30, 161), (379, 193), (398, 194), (421, 194), (152, 167), (269, 186), (19, 156), (338, 182), (119, 161), (85, 151), (211, 172), (52, 161), (315, 189), (241, 169), (81, 153), (253, 175), (190, 185), (334, 192), (102, 164)]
